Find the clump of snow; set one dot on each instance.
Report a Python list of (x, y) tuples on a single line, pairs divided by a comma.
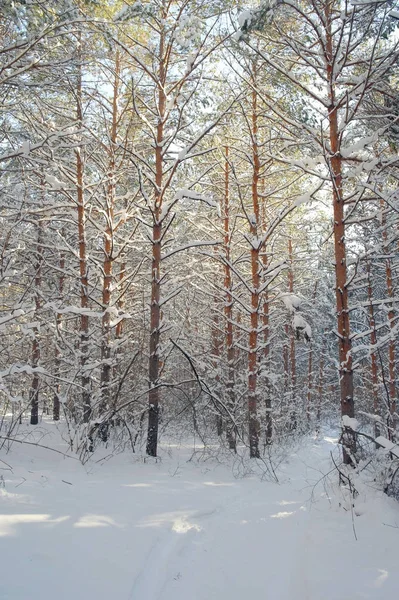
[(245, 18), (188, 30), (128, 11), (359, 145), (292, 302), (183, 153), (54, 183), (25, 148), (300, 324), (252, 220), (248, 17), (193, 195), (373, 417), (16, 399), (170, 102), (302, 199), (350, 422), (190, 61), (388, 445)]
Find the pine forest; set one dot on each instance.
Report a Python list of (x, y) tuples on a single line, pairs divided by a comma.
[(199, 269)]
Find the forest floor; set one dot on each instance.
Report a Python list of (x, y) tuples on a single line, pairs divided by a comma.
[(125, 529)]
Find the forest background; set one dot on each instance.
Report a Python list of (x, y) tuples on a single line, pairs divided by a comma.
[(199, 221)]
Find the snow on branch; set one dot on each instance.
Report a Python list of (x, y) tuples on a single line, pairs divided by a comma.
[(190, 245), (387, 445), (192, 195), (350, 423), (253, 19)]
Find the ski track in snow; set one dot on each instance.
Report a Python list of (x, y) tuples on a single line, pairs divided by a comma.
[(246, 549), (179, 531), (154, 573)]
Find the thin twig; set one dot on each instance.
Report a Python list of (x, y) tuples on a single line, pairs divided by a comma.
[(39, 446)]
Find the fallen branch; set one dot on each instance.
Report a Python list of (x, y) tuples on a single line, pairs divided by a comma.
[(2, 437)]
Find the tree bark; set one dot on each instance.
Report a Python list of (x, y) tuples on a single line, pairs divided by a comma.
[(373, 340), (310, 382), (217, 346), (106, 367), (155, 318), (228, 310), (58, 325), (341, 290), (266, 343), (35, 385), (84, 284), (292, 360), (255, 267), (391, 321)]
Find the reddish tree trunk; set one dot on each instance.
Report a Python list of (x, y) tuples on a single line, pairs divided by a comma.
[(341, 290), (228, 310), (255, 267)]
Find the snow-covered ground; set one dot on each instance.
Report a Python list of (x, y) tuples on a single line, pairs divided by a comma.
[(123, 529)]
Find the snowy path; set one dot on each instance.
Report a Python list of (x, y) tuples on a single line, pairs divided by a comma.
[(176, 531)]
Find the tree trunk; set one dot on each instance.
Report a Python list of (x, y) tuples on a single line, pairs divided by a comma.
[(58, 325), (373, 340), (320, 384), (255, 267), (228, 311), (155, 319), (266, 334), (341, 290), (217, 345), (121, 301), (108, 258), (34, 390), (391, 321), (293, 399), (310, 366), (285, 359), (310, 382), (84, 284)]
